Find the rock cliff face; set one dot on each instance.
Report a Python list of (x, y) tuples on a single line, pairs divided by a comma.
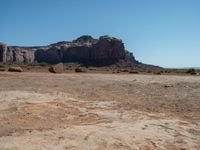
[(3, 50), (85, 50)]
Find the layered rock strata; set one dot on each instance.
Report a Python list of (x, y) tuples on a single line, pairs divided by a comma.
[(85, 50)]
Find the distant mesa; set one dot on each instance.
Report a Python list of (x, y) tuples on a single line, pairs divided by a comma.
[(85, 50)]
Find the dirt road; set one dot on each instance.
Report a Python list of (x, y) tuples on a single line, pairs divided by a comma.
[(43, 111)]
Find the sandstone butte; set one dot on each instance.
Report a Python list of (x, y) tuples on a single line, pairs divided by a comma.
[(85, 50)]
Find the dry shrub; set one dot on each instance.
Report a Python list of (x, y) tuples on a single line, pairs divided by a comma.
[(116, 71), (92, 69), (149, 71), (124, 70), (79, 70), (133, 72), (2, 69), (191, 71), (157, 73)]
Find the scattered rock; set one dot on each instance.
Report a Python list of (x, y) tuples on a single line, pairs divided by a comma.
[(58, 68), (15, 69)]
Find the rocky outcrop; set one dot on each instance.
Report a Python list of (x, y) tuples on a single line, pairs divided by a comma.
[(108, 50), (85, 50), (3, 51), (19, 55)]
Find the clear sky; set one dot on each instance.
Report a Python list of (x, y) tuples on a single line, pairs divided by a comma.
[(159, 32)]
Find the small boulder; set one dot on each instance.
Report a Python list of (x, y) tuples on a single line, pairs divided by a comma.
[(58, 68), (15, 69)]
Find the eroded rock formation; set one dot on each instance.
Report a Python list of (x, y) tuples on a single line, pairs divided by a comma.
[(85, 50), (3, 51)]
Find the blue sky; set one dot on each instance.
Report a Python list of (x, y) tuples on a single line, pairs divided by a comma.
[(159, 32)]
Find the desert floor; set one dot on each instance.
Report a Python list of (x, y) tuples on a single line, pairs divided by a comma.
[(43, 111)]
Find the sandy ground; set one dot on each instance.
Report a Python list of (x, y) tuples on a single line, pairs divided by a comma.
[(43, 111)]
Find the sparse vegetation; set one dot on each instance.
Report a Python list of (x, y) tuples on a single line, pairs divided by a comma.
[(124, 70), (191, 71), (43, 64), (3, 65), (79, 70), (133, 72), (157, 73), (73, 67), (2, 69), (149, 71), (23, 65)]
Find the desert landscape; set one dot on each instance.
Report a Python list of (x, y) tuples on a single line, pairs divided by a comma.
[(93, 94), (70, 111), (100, 75)]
